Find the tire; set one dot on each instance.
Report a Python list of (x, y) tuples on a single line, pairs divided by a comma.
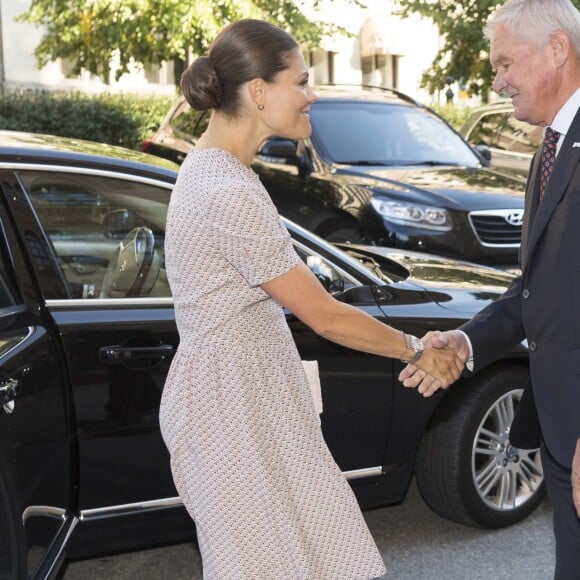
[(466, 470)]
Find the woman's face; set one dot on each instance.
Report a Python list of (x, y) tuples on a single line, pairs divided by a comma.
[(287, 101)]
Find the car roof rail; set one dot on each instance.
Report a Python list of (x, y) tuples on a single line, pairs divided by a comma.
[(499, 103), (377, 88)]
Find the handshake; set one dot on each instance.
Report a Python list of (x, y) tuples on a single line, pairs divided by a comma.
[(442, 362)]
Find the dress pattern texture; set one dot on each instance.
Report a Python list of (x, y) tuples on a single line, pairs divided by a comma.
[(247, 453)]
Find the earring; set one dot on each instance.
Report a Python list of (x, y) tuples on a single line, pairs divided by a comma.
[(260, 107)]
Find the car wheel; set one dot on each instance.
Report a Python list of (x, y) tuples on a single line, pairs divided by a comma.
[(466, 469)]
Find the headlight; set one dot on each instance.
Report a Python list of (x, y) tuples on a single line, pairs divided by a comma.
[(413, 214)]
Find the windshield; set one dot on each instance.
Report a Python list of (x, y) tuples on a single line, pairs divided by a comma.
[(361, 133)]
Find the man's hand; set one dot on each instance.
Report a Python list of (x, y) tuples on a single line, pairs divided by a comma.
[(439, 368), (576, 478), (414, 377)]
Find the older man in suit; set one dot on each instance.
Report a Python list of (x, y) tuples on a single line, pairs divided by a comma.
[(535, 52)]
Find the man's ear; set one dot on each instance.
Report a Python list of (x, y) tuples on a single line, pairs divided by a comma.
[(559, 46), (256, 90)]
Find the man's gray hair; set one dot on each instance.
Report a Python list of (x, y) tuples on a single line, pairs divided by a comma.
[(536, 20)]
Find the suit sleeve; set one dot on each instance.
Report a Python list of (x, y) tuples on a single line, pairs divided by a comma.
[(497, 328)]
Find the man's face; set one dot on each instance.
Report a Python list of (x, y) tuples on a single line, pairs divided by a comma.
[(525, 73)]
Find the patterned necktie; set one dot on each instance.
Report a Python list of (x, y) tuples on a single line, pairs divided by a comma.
[(548, 158)]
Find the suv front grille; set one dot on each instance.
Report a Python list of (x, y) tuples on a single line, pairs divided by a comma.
[(498, 227)]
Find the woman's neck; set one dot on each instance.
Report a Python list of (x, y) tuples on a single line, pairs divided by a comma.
[(233, 135)]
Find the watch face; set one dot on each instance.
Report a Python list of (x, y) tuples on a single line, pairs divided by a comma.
[(416, 344)]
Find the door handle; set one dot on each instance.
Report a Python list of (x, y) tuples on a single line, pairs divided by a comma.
[(124, 354), (8, 394)]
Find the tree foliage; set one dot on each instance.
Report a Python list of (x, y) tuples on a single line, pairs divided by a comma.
[(151, 31), (464, 53)]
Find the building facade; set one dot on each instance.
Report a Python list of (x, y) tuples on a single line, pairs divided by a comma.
[(381, 49)]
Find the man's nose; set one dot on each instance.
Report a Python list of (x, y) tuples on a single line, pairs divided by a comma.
[(498, 84)]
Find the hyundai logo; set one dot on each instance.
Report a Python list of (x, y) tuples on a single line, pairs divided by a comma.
[(515, 218)]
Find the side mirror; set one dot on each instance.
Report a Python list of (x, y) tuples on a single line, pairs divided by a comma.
[(278, 150), (484, 152), (326, 274)]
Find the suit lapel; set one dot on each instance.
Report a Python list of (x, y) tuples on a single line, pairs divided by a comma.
[(566, 163)]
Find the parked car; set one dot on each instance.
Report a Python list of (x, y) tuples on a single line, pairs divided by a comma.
[(87, 334), (508, 143), (380, 169)]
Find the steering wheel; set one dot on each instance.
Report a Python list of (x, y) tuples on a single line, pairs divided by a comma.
[(134, 267)]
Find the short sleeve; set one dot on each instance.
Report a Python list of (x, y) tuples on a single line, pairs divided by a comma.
[(252, 237)]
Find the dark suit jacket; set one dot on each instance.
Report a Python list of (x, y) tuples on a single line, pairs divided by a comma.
[(543, 306)]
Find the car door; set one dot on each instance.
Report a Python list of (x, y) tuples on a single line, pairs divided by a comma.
[(115, 316), (36, 441), (357, 387)]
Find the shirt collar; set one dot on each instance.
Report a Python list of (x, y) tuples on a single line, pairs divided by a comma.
[(566, 114)]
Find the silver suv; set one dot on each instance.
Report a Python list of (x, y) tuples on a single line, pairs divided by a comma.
[(500, 137)]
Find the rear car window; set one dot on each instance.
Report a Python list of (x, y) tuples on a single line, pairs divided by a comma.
[(190, 122), (503, 131)]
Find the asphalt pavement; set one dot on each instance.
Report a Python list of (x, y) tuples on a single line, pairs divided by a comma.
[(416, 544)]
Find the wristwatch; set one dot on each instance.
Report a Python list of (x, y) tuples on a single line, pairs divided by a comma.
[(417, 346)]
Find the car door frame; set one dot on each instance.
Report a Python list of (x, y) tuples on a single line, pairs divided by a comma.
[(38, 448)]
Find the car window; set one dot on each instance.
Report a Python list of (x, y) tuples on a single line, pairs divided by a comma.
[(107, 233), (373, 133), (333, 277), (6, 297), (186, 120), (503, 131), (487, 129), (524, 138)]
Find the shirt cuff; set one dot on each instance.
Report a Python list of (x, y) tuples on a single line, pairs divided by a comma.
[(469, 361)]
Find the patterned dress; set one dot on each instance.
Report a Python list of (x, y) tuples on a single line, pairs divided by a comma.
[(247, 453)]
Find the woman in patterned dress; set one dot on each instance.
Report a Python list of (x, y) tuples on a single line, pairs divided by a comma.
[(247, 453)]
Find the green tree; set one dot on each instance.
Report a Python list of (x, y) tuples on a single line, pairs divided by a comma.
[(464, 53), (151, 31)]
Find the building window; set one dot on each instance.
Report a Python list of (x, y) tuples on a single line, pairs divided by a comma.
[(321, 65), (381, 70)]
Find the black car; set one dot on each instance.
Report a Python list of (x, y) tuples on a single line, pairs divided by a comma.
[(380, 169), (87, 334), (508, 143)]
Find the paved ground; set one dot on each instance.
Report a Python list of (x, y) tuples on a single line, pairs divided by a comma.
[(416, 545)]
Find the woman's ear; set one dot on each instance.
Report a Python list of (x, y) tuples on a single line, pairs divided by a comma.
[(256, 89)]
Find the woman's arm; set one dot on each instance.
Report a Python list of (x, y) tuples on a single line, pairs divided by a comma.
[(300, 292)]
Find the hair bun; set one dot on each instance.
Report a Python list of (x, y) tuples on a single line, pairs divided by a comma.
[(201, 86)]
